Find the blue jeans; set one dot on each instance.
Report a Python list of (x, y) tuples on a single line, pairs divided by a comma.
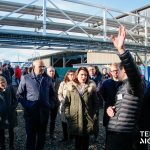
[(17, 81)]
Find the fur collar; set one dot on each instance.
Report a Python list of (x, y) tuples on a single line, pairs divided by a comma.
[(90, 86)]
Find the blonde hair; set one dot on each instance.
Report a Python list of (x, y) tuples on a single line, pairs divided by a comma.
[(2, 79), (114, 65)]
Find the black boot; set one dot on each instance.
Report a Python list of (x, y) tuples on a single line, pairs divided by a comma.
[(11, 139), (2, 147), (11, 147), (65, 131), (2, 139), (52, 127), (52, 122)]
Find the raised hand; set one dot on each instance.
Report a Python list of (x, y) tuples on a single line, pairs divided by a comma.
[(119, 40)]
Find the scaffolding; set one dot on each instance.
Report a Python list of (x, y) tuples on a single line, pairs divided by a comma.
[(55, 28)]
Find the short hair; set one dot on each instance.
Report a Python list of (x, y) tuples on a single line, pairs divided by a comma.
[(77, 72), (97, 68), (114, 64), (37, 61), (30, 69), (91, 67), (104, 68), (51, 67), (121, 66), (2, 79), (66, 79)]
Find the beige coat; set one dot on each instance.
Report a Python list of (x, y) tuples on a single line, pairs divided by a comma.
[(62, 91)]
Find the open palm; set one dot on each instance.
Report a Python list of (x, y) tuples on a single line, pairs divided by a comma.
[(119, 40)]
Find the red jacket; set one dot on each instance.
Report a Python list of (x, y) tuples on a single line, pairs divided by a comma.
[(18, 73)]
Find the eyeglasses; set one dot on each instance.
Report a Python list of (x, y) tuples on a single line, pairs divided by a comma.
[(114, 70), (41, 66), (2, 82)]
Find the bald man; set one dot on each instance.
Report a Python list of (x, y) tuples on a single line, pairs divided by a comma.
[(36, 94)]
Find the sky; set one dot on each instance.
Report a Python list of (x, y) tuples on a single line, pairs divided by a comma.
[(124, 5)]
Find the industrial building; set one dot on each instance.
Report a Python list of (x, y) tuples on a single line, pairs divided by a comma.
[(80, 37)]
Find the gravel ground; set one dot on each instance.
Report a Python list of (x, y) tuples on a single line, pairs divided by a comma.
[(20, 136)]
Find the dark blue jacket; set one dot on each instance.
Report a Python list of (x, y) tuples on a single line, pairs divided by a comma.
[(7, 75), (96, 79), (145, 112), (32, 92), (108, 90)]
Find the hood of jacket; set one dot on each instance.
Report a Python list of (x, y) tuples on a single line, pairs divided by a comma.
[(90, 86)]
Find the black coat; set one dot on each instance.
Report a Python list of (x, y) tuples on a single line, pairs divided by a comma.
[(7, 75), (8, 104), (98, 81), (128, 98), (56, 82), (145, 112)]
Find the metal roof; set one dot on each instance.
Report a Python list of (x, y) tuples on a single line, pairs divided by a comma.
[(135, 11), (63, 53), (51, 12), (52, 40), (28, 23), (28, 39)]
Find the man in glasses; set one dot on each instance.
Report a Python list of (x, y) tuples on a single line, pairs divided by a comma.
[(36, 94), (124, 114), (108, 90)]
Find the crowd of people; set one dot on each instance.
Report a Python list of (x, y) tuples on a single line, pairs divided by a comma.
[(122, 93)]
